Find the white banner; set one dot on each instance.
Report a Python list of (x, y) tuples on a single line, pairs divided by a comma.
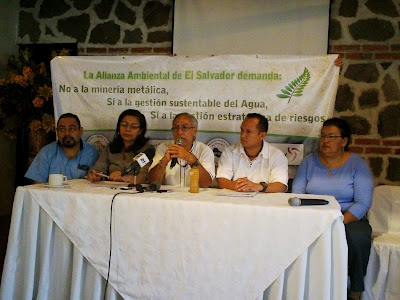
[(295, 93)]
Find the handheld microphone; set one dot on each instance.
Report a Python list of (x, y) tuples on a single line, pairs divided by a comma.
[(139, 188), (153, 187), (295, 201), (179, 141), (140, 160)]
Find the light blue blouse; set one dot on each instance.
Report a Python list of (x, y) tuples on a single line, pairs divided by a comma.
[(351, 184)]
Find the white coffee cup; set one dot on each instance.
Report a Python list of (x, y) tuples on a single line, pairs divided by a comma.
[(57, 179)]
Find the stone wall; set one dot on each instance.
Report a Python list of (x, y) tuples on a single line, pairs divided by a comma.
[(367, 35), (364, 32), (105, 27)]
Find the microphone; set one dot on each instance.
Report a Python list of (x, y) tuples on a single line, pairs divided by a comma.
[(295, 201), (138, 187), (140, 160), (153, 187), (179, 141)]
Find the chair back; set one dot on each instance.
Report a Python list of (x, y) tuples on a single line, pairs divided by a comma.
[(384, 214)]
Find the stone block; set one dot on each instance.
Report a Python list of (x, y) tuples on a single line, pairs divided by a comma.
[(382, 7), (372, 29), (348, 8), (103, 9), (393, 169), (386, 65), (106, 33), (133, 36), (53, 8), (27, 3), (359, 125), (335, 30), (159, 36), (389, 121), (135, 2), (369, 98), (344, 98), (376, 165), (76, 27), (28, 26), (81, 4), (362, 72), (390, 89), (125, 14), (156, 14)]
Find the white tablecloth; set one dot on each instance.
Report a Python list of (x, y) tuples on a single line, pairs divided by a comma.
[(172, 246)]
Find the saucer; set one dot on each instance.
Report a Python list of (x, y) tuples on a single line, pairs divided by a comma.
[(63, 186)]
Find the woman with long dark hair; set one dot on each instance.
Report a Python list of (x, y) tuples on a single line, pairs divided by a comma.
[(129, 140)]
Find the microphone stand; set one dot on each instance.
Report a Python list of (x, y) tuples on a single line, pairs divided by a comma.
[(138, 187), (135, 173)]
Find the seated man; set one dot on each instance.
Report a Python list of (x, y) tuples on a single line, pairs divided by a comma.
[(253, 164), (69, 155), (172, 162)]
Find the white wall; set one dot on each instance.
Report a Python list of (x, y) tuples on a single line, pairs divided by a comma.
[(286, 27)]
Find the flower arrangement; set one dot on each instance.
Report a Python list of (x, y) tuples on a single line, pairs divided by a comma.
[(26, 96)]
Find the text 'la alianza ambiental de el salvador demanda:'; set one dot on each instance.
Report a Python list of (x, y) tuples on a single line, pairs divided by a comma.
[(187, 75)]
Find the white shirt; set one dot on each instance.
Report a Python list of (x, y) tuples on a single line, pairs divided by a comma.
[(271, 165), (179, 174)]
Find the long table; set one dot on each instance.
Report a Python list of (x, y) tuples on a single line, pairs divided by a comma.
[(174, 245)]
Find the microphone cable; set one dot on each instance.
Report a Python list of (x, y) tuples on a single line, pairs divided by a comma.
[(109, 256)]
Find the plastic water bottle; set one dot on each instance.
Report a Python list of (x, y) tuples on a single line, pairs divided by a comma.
[(194, 179)]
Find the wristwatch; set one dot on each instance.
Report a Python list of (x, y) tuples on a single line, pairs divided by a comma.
[(195, 164), (265, 186)]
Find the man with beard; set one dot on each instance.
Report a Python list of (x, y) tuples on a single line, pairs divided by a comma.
[(69, 155), (253, 164)]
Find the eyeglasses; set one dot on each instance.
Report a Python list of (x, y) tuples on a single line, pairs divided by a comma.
[(183, 128), (329, 137), (70, 129), (125, 125)]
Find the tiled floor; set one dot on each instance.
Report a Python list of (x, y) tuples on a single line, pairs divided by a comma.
[(4, 228)]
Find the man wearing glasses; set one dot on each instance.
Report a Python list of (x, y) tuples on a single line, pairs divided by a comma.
[(69, 155), (173, 160)]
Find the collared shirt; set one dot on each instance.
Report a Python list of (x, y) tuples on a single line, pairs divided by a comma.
[(271, 165), (180, 173), (52, 159), (109, 162)]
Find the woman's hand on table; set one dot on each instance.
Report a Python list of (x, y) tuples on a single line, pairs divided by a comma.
[(116, 176), (93, 176)]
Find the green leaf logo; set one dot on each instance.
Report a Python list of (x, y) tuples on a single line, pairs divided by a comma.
[(296, 87)]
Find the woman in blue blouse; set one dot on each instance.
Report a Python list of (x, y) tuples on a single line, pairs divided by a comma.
[(335, 171)]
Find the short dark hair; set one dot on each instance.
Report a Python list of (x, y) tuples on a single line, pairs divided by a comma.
[(343, 126), (69, 115), (117, 143), (262, 125)]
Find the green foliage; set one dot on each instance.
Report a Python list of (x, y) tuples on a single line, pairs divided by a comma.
[(296, 87)]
